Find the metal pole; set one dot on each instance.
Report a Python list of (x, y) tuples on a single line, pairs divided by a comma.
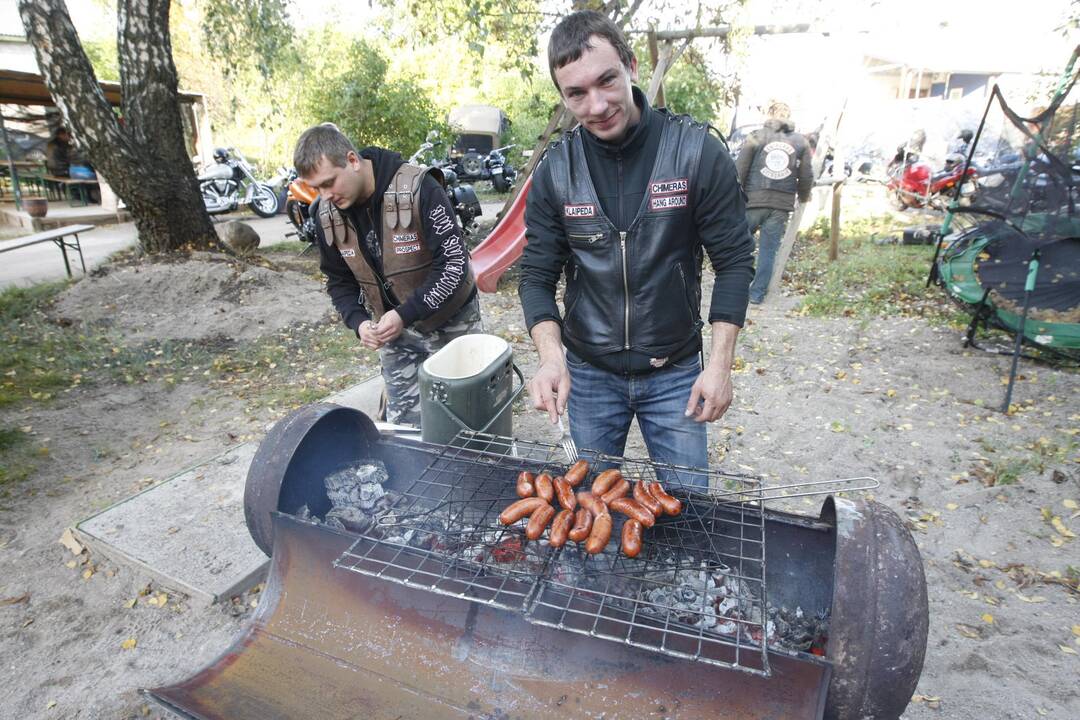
[(1033, 151), (11, 166), (1029, 287)]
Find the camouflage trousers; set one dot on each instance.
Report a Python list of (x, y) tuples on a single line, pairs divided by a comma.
[(401, 361)]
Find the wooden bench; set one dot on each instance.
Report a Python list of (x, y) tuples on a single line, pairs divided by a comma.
[(69, 183), (59, 237)]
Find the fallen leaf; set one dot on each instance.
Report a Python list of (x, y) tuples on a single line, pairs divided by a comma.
[(968, 631), (131, 603), (67, 539), (1076, 630), (951, 506), (1060, 527), (988, 618), (1031, 599), (50, 705), (128, 644), (15, 600), (1056, 541), (1071, 504), (986, 564), (1068, 650), (28, 622)]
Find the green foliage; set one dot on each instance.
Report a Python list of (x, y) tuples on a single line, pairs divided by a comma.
[(245, 33), (358, 94), (102, 55), (690, 87)]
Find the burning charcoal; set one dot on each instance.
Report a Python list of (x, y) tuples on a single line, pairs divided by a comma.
[(351, 518), (303, 513), (370, 494), (333, 522)]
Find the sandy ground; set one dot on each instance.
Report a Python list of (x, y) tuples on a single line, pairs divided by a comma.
[(815, 399)]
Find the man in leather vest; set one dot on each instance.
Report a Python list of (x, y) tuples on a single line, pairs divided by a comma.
[(626, 206), (774, 168), (396, 265)]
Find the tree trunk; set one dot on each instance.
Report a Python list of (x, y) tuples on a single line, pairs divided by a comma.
[(143, 156)]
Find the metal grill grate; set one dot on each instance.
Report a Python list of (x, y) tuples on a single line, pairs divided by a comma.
[(697, 590)]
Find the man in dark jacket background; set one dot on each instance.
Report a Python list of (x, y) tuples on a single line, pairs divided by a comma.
[(406, 293), (774, 168), (626, 206)]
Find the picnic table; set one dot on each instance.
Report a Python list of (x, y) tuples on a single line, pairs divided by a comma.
[(63, 237), (68, 184)]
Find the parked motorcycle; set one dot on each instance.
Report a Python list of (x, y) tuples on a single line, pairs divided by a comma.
[(298, 202), (913, 184), (477, 166), (462, 196), (230, 182)]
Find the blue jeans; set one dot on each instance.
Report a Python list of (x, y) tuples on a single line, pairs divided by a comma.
[(602, 404), (772, 224)]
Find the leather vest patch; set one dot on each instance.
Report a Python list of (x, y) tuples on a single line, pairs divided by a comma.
[(668, 194), (579, 211)]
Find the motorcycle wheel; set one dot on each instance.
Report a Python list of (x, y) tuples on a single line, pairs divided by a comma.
[(500, 183), (264, 201)]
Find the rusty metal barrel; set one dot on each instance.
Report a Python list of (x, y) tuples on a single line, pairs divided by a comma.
[(329, 643)]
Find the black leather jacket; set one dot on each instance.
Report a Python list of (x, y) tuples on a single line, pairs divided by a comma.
[(628, 224)]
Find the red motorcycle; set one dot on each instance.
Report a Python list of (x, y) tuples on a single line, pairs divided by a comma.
[(912, 184)]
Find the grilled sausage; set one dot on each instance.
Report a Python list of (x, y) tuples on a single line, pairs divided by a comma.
[(633, 510), (631, 538), (577, 472), (600, 534), (643, 496), (604, 481), (592, 503), (582, 525), (560, 528), (544, 488), (565, 493), (538, 521), (618, 490), (520, 509), (672, 506), (525, 487)]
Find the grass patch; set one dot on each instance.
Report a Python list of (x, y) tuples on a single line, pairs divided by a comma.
[(867, 280), (290, 247), (16, 458)]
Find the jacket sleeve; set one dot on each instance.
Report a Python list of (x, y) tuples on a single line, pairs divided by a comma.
[(546, 251), (720, 216), (341, 284), (806, 173), (449, 256), (745, 158)]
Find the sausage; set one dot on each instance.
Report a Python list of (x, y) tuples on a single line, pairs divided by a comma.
[(582, 525), (544, 488), (525, 487), (643, 496), (631, 538), (618, 490), (538, 521), (600, 534), (565, 493), (577, 472), (592, 503), (672, 506), (633, 510), (520, 509), (560, 528), (604, 481)]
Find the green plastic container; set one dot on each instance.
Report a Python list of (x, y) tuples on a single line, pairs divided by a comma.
[(468, 385)]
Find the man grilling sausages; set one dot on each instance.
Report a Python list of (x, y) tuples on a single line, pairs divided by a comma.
[(626, 206), (396, 267)]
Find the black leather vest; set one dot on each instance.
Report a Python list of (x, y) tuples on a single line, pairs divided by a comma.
[(775, 165), (640, 289)]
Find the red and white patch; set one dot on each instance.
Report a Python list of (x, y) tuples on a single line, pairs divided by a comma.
[(667, 202), (579, 211), (669, 187), (406, 249)]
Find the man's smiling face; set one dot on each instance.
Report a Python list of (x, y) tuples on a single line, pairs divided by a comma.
[(597, 89)]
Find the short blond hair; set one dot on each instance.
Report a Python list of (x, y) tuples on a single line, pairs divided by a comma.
[(779, 110)]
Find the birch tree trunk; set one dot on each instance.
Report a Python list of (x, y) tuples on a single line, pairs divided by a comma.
[(142, 153)]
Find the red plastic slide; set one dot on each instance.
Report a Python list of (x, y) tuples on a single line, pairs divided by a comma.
[(503, 246)]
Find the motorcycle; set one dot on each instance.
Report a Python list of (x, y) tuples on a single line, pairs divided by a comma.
[(912, 184), (298, 201), (462, 196), (475, 166), (230, 182)]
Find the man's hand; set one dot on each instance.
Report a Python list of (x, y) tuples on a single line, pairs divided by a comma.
[(368, 337), (389, 327), (711, 395), (550, 387)]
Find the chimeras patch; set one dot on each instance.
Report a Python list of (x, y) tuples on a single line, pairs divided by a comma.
[(579, 210), (406, 243), (668, 194)]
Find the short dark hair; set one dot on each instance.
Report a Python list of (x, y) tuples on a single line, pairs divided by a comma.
[(570, 39), (324, 140)]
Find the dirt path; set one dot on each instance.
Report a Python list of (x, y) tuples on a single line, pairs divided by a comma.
[(815, 399)]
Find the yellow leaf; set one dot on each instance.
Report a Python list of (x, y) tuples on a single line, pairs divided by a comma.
[(1056, 541), (986, 564), (890, 393), (1076, 630), (968, 631), (999, 584), (131, 603), (1031, 599), (988, 618), (1071, 504), (951, 506), (1060, 527), (969, 594), (1068, 650), (128, 644), (50, 705), (1046, 514)]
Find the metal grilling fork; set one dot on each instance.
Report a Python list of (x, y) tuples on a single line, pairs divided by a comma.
[(567, 442)]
